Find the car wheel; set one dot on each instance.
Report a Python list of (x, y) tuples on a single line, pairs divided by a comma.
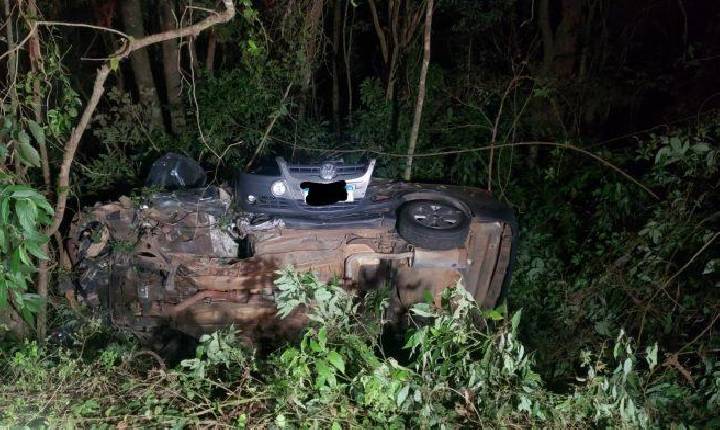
[(433, 224)]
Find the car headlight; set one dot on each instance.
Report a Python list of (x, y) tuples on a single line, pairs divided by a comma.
[(278, 188)]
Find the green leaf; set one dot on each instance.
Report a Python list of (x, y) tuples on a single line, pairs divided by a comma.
[(700, 148), (26, 212), (423, 310), (24, 257), (32, 302), (37, 131), (34, 249), (651, 355), (336, 361), (712, 266), (281, 421), (28, 154), (325, 373), (417, 338), (515, 322), (315, 346), (322, 337), (525, 404), (5, 210), (27, 315), (493, 315), (22, 192), (627, 366), (403, 394)]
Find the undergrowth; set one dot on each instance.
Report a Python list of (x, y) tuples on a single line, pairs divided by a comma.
[(465, 367)]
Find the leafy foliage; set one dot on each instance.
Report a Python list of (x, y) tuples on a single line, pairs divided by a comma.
[(466, 367), (23, 213)]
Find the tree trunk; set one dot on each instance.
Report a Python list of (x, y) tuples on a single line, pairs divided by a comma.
[(140, 60), (394, 8), (311, 26), (421, 90), (211, 49), (8, 316), (11, 69), (547, 35), (171, 68), (347, 50), (36, 67), (379, 31), (44, 265), (192, 49), (392, 74), (566, 39), (337, 29)]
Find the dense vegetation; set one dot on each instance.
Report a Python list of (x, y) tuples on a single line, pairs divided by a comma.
[(612, 316)]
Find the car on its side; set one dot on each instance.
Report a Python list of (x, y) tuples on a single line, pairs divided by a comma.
[(199, 258)]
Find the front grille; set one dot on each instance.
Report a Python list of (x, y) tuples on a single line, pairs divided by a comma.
[(340, 169), (305, 170)]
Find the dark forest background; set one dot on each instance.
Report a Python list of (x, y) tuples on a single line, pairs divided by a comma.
[(596, 120)]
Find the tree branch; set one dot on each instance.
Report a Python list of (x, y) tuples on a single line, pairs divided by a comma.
[(71, 146)]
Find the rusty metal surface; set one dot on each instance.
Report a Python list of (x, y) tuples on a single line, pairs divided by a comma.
[(175, 262)]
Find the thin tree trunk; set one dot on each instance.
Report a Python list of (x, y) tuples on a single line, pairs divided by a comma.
[(421, 90), (566, 42), (8, 315), (132, 16), (44, 266), (171, 68), (394, 8), (311, 26), (379, 31), (547, 34), (586, 42), (337, 28), (347, 50), (681, 6), (192, 48), (36, 66), (211, 49), (392, 74), (12, 70)]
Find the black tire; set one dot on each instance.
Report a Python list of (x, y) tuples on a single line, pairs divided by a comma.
[(433, 224)]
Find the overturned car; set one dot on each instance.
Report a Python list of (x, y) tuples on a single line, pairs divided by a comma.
[(197, 258)]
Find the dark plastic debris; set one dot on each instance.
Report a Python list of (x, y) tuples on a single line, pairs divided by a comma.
[(173, 171)]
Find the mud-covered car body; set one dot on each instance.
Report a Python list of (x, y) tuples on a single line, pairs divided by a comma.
[(196, 260)]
